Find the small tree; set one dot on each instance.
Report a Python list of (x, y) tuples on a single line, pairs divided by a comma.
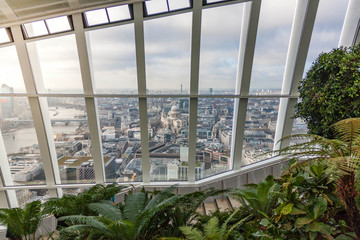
[(330, 91)]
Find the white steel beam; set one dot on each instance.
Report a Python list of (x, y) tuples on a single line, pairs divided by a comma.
[(90, 102), (141, 79), (248, 34), (350, 31), (39, 112), (300, 37), (7, 198), (194, 86)]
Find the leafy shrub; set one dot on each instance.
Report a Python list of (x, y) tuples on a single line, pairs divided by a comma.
[(330, 91)]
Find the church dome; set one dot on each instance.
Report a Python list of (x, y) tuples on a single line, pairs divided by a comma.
[(175, 108)]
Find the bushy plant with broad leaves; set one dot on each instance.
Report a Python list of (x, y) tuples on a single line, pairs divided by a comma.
[(330, 91)]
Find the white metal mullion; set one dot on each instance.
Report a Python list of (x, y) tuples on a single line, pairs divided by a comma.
[(90, 102), (350, 30), (245, 61), (39, 113), (7, 198), (141, 79), (194, 87), (300, 37)]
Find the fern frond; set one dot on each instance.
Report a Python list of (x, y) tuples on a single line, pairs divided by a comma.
[(108, 211)]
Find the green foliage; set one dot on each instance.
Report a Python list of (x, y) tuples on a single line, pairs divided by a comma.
[(23, 223), (72, 205), (330, 91)]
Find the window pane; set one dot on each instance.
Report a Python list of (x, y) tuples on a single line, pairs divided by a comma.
[(178, 4), (56, 65), (169, 130), (156, 6), (59, 24), (261, 117), (220, 36), (214, 1), (72, 139), (21, 144), (10, 72), (167, 53), (214, 136), (120, 134), (271, 47), (4, 37), (25, 196), (113, 59), (119, 13), (36, 29), (327, 29), (96, 17)]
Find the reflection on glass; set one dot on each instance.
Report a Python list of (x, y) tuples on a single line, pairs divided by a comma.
[(36, 29), (168, 132), (261, 117), (214, 134), (96, 17), (59, 24), (327, 29), (271, 47), (18, 132), (220, 36), (167, 53), (55, 65), (10, 72), (214, 1), (113, 59), (120, 134), (118, 13), (4, 37), (156, 6), (72, 139)]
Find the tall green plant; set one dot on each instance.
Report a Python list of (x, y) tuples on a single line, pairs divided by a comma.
[(23, 223), (342, 155)]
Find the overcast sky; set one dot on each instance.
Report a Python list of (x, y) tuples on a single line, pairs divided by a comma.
[(167, 49)]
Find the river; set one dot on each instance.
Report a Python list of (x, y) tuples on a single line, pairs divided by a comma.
[(25, 137)]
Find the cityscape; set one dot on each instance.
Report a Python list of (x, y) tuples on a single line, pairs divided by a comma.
[(168, 132)]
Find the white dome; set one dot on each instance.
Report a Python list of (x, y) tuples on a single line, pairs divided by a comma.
[(175, 108)]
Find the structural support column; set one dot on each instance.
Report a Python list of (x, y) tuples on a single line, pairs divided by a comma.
[(350, 34), (7, 198), (300, 37), (194, 87), (39, 111), (90, 102), (246, 55), (141, 78)]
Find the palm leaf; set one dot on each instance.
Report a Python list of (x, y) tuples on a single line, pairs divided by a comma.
[(107, 211), (192, 233), (134, 206)]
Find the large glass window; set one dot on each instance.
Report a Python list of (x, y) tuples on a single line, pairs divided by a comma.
[(260, 126), (168, 133), (11, 77), (120, 135), (113, 59), (21, 144), (219, 50), (213, 136), (167, 54), (271, 47), (55, 64), (72, 139)]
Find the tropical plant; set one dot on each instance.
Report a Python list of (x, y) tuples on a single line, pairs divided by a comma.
[(343, 157), (212, 230), (259, 198), (22, 223), (330, 92), (138, 218), (78, 204)]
